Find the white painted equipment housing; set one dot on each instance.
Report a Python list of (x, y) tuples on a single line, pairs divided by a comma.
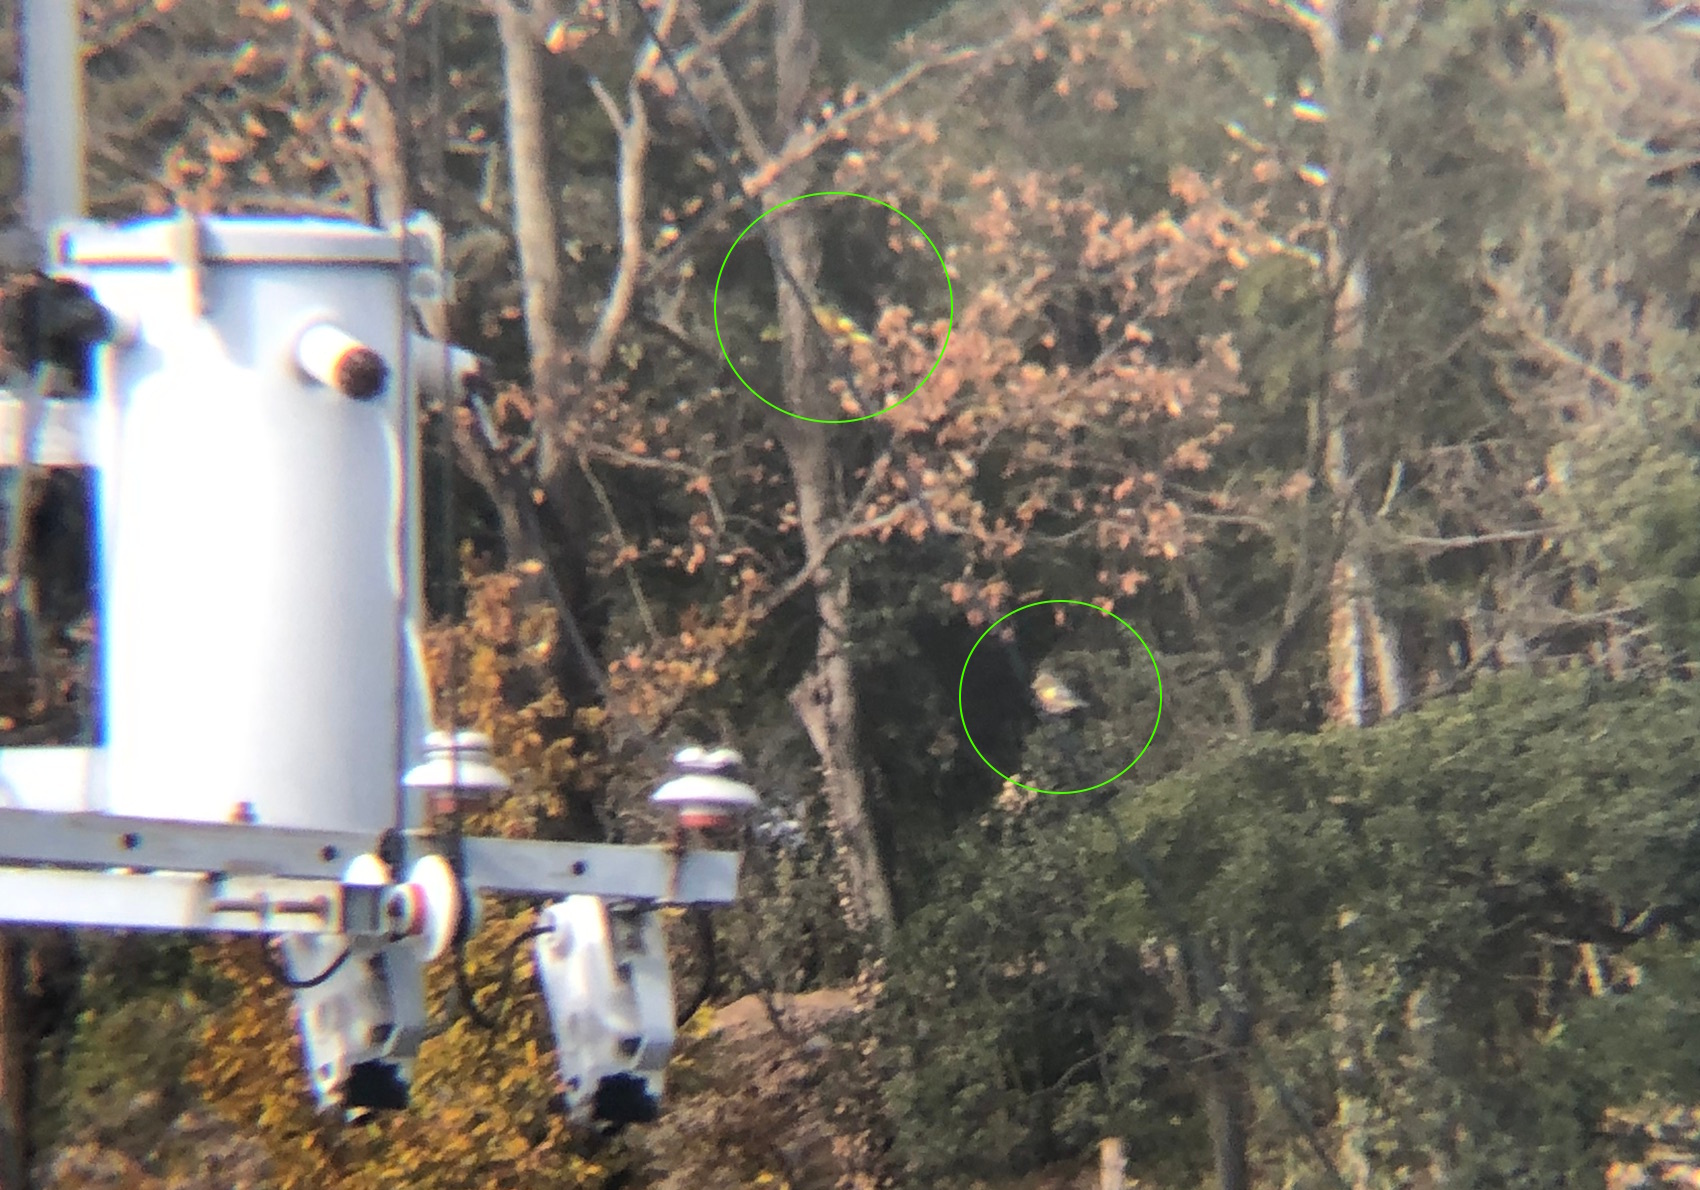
[(260, 574)]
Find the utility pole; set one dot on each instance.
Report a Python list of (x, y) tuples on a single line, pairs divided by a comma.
[(52, 72), (53, 116)]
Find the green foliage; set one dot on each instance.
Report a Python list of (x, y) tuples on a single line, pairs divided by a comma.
[(120, 1074), (1457, 855), (998, 998), (1642, 1041)]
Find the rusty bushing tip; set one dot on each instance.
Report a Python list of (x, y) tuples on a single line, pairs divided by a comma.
[(361, 373)]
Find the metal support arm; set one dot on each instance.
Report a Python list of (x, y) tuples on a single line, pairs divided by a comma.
[(516, 867), (190, 901)]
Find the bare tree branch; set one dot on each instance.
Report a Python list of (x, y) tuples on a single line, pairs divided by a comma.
[(806, 140), (620, 539), (1500, 538), (628, 459), (632, 134), (709, 50), (1234, 686)]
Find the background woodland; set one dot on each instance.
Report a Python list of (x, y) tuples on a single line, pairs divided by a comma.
[(1349, 352)]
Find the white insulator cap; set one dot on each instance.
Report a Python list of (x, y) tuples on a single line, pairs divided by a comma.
[(439, 370), (338, 360), (707, 788), (457, 764)]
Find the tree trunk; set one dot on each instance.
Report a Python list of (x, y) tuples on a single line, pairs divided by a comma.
[(1225, 1105), (1360, 644), (1423, 1025), (826, 700), (1227, 1095), (826, 704), (535, 233), (1196, 984), (534, 210), (387, 161), (1112, 1165)]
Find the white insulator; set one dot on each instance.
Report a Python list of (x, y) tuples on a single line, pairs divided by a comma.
[(439, 370), (435, 903), (457, 767), (338, 360), (705, 788)]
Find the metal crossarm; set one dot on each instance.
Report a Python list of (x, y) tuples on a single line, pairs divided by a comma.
[(111, 841), (519, 867), (655, 874), (189, 901)]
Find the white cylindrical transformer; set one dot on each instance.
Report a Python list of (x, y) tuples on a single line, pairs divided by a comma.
[(260, 553)]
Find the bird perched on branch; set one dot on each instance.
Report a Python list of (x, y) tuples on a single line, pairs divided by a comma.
[(840, 325), (1055, 698)]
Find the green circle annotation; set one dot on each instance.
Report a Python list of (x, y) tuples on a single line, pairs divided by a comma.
[(963, 715), (950, 298)]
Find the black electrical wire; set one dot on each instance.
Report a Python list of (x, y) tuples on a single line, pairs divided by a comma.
[(490, 1022), (440, 184), (449, 561), (410, 456), (711, 966), (281, 973), (510, 957)]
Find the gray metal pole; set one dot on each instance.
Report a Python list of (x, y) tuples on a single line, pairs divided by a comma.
[(53, 115)]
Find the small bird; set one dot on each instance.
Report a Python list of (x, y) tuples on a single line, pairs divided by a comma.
[(839, 325), (1055, 698)]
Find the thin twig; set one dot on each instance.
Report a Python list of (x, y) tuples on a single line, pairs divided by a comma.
[(807, 141), (601, 494), (627, 459), (632, 134), (1507, 535), (748, 134)]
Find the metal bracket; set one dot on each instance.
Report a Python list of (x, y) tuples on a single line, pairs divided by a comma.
[(362, 1011), (109, 841), (176, 901)]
